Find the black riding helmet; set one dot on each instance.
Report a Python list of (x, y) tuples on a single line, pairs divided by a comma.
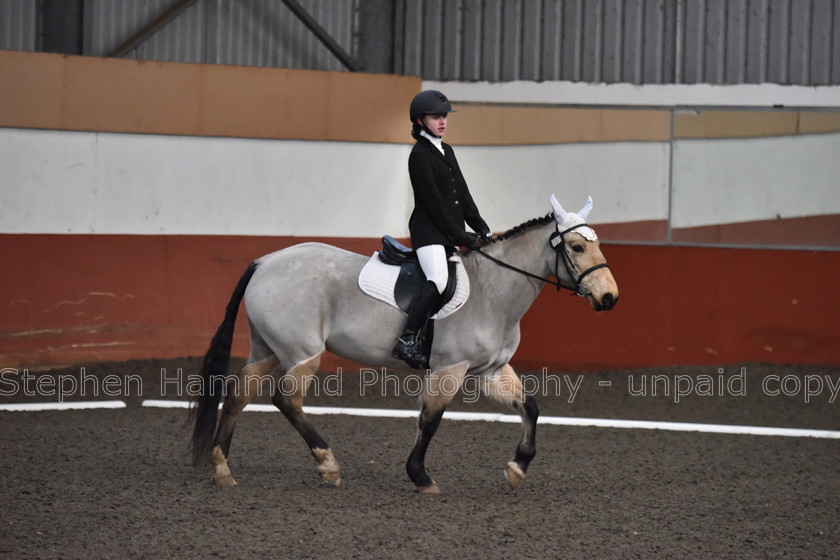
[(429, 102)]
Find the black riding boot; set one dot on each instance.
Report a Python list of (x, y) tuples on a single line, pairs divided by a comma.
[(409, 346)]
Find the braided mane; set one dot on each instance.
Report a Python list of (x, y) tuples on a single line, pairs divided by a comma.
[(532, 223), (521, 228)]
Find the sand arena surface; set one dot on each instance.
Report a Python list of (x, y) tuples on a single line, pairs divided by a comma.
[(118, 483)]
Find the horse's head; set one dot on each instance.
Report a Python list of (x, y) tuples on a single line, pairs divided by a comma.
[(585, 268)]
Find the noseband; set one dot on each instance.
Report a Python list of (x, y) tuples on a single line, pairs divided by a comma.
[(557, 241)]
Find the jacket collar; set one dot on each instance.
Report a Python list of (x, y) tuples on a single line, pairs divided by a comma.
[(436, 142), (426, 143)]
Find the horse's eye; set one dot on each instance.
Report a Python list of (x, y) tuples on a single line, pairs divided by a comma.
[(577, 248)]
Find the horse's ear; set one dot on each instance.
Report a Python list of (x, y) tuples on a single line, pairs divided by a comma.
[(584, 212), (559, 213)]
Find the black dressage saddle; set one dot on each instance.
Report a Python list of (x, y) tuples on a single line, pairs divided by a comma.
[(411, 276)]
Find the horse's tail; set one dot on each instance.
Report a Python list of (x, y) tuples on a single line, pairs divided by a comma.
[(205, 406)]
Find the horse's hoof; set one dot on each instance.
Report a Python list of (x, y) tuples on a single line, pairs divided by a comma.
[(224, 481), (514, 474), (333, 478), (432, 488)]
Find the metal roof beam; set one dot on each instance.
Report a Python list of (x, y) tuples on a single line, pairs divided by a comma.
[(151, 28), (348, 61)]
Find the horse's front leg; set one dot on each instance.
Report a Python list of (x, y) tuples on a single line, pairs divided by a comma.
[(439, 390), (291, 390), (505, 387)]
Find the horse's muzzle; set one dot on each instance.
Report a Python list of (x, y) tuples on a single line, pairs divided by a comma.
[(607, 302)]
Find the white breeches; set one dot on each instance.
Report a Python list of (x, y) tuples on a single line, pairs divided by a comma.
[(433, 262)]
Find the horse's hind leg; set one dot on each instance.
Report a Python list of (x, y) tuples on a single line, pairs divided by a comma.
[(441, 387), (240, 389), (289, 396), (505, 387)]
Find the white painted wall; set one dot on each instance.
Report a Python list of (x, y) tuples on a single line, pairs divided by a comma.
[(628, 181), (714, 181), (627, 95), (79, 182), (738, 180)]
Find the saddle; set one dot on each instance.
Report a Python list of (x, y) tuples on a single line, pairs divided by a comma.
[(393, 276), (411, 276)]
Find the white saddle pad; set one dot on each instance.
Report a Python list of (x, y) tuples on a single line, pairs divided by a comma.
[(377, 280)]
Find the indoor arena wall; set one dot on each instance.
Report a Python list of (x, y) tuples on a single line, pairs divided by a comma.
[(133, 195)]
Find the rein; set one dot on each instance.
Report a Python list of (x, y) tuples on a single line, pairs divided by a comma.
[(557, 242)]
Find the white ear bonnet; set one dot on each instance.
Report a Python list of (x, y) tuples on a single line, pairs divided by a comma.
[(566, 220)]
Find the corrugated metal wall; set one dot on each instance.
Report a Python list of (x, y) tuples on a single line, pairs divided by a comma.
[(18, 29), (108, 24), (633, 41), (245, 33)]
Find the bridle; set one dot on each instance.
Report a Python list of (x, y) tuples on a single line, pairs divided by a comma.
[(557, 241)]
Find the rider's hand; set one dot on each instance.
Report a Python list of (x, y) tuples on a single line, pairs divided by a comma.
[(469, 240)]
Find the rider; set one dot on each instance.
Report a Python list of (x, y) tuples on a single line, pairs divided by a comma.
[(442, 203)]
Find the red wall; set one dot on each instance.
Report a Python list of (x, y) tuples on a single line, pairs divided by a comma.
[(696, 306), (68, 299)]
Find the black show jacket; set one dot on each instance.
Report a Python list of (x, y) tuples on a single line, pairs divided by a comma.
[(442, 201)]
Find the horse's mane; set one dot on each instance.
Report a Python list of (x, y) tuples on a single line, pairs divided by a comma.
[(525, 226), (521, 228)]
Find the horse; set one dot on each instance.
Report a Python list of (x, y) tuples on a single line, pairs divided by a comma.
[(304, 300)]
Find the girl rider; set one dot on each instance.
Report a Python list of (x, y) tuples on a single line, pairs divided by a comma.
[(442, 203)]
